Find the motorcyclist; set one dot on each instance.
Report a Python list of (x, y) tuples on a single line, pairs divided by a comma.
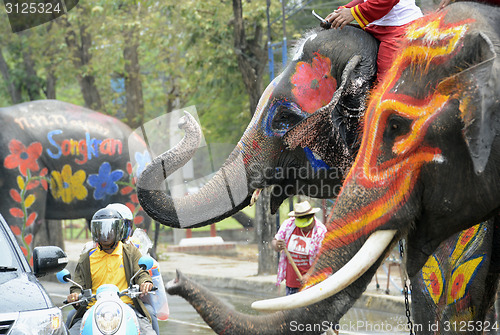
[(128, 222), (111, 262)]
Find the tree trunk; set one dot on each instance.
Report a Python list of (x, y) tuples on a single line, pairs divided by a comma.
[(50, 233), (252, 56), (266, 229), (50, 84), (133, 84), (81, 59), (252, 59), (32, 82), (14, 91)]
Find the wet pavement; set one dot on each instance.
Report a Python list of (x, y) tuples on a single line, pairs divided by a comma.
[(237, 283)]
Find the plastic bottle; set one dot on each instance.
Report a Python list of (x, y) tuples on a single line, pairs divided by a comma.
[(159, 298)]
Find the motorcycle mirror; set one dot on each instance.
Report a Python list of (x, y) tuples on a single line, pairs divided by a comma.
[(63, 276), (146, 262)]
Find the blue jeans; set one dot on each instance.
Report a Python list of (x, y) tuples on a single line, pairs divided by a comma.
[(291, 290)]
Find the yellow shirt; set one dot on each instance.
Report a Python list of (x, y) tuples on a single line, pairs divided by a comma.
[(108, 269)]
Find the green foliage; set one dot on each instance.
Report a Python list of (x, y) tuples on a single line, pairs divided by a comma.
[(186, 55)]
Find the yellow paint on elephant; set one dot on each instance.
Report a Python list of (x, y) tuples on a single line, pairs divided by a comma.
[(30, 199), (434, 33), (68, 186), (460, 279), (463, 242), (20, 182), (433, 279)]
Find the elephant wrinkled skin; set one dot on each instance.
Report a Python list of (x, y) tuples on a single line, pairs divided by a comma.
[(413, 143)]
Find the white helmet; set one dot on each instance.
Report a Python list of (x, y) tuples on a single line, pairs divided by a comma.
[(127, 215)]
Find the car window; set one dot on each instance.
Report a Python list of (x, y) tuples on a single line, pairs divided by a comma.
[(7, 257)]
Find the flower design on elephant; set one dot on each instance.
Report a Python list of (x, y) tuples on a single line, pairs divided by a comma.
[(453, 284), (314, 84), (104, 182), (22, 157), (68, 186), (142, 159), (128, 188), (23, 211)]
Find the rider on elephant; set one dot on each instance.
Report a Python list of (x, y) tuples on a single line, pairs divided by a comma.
[(386, 20)]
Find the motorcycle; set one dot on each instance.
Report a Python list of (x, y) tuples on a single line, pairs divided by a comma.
[(109, 314)]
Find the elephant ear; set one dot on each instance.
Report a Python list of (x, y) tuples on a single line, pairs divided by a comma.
[(479, 101), (318, 132)]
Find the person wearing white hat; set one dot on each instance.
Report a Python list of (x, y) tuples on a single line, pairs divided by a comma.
[(301, 235), (128, 218)]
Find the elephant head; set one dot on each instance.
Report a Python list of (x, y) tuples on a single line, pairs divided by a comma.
[(293, 141), (427, 163)]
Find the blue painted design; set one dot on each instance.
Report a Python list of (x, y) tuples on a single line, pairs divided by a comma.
[(142, 159), (104, 182), (315, 163), (271, 113), (54, 143)]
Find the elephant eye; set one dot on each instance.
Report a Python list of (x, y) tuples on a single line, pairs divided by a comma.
[(396, 126), (286, 116)]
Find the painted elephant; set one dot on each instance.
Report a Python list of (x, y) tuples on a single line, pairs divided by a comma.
[(427, 164), (61, 161), (293, 138), (334, 78)]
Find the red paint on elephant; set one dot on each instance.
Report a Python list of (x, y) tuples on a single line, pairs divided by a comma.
[(457, 285), (390, 174), (22, 157), (435, 287), (314, 84)]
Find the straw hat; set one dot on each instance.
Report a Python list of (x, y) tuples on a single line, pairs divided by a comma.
[(303, 209)]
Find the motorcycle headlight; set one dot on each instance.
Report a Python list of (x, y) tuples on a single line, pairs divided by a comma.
[(108, 317), (47, 321)]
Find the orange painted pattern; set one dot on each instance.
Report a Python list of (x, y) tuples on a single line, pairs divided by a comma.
[(392, 175)]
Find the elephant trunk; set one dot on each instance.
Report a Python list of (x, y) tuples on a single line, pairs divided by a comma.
[(226, 193), (313, 319)]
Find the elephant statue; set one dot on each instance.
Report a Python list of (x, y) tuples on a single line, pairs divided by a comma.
[(293, 138), (62, 161)]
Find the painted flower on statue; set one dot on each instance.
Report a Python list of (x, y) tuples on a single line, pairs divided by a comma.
[(143, 159), (68, 186), (22, 157), (105, 181)]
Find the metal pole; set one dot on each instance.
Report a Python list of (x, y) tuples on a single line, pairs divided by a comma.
[(284, 49), (270, 55)]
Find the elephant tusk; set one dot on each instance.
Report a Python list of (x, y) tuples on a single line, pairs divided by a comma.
[(369, 253), (255, 196)]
